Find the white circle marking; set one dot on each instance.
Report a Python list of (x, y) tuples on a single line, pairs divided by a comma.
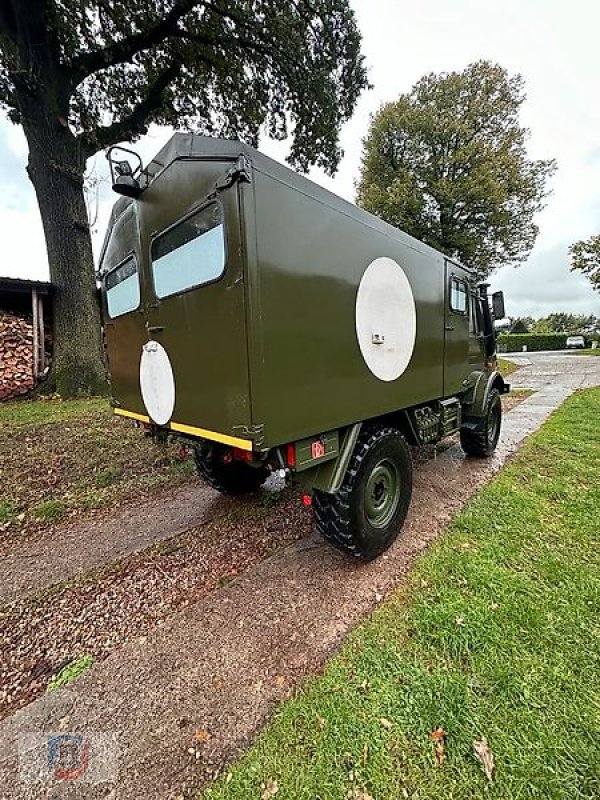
[(386, 319), (157, 383)]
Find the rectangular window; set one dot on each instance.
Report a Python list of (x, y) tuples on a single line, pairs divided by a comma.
[(190, 253), (458, 296), (122, 288)]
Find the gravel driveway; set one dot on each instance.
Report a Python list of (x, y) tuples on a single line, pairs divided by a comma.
[(221, 664)]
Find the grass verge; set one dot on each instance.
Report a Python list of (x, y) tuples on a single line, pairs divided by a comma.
[(58, 458), (495, 635), (506, 367), (588, 352)]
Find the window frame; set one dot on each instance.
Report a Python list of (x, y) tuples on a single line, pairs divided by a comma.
[(129, 255), (463, 282), (197, 210)]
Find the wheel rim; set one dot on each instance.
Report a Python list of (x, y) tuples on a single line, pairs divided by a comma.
[(382, 493)]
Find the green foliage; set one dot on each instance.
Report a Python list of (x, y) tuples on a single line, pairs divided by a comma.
[(70, 672), (49, 511), (562, 322), (585, 256), (519, 326), (448, 164), (513, 342), (217, 68), (495, 635)]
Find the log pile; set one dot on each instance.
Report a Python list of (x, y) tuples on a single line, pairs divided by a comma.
[(16, 356)]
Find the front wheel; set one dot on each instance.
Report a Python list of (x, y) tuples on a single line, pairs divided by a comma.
[(480, 439), (365, 516)]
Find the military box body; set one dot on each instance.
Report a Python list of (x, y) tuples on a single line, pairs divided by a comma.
[(282, 310)]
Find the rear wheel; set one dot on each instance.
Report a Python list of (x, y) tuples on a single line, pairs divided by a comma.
[(481, 440), (214, 464), (365, 516)]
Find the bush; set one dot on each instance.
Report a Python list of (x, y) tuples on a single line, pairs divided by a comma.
[(514, 342)]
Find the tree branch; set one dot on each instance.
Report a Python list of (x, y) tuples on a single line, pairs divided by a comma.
[(124, 50), (136, 121)]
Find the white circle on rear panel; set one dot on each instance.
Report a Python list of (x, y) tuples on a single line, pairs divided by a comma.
[(157, 383), (386, 319)]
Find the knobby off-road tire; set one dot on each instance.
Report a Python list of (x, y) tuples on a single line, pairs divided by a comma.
[(365, 516), (482, 440), (233, 477)]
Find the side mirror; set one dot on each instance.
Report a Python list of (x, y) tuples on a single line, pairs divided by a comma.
[(498, 305), (125, 179)]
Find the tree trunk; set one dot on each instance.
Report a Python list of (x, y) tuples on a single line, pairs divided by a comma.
[(56, 167)]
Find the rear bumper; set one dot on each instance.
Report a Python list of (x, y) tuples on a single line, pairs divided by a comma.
[(190, 430)]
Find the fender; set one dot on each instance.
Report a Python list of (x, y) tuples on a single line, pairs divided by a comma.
[(329, 476), (481, 383)]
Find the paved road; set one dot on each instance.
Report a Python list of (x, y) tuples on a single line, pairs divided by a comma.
[(222, 664)]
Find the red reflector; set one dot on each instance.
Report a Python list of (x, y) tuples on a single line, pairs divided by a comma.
[(307, 499), (291, 455), (242, 455)]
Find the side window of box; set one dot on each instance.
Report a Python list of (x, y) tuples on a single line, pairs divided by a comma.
[(190, 253), (459, 294), (122, 286)]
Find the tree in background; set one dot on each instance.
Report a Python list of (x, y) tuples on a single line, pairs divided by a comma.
[(562, 322), (447, 163), (79, 76), (585, 256), (519, 326)]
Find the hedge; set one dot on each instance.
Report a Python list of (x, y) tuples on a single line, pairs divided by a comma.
[(514, 342)]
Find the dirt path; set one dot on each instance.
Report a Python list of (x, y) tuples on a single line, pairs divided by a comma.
[(223, 663), (66, 550)]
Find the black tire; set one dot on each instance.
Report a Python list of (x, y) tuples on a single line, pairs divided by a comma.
[(480, 439), (228, 477), (354, 519)]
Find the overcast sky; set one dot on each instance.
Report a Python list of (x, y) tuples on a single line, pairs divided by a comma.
[(553, 43)]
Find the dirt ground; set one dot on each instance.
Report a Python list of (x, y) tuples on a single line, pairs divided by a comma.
[(208, 628)]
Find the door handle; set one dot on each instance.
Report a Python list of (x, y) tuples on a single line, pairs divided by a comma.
[(448, 328), (154, 328)]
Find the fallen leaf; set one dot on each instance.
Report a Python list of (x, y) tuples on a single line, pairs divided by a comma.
[(280, 680), (270, 789), (485, 757), (440, 753), (385, 722), (460, 620), (358, 794), (201, 736), (438, 736)]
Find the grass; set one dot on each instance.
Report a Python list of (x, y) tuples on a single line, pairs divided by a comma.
[(25, 413), (588, 352), (58, 458), (495, 634), (70, 672), (506, 367)]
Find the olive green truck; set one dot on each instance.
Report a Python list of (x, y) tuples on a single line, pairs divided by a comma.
[(279, 328)]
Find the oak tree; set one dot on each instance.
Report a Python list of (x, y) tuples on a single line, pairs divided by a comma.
[(79, 76), (585, 256), (447, 163)]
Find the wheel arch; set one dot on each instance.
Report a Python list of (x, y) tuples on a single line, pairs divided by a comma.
[(483, 383)]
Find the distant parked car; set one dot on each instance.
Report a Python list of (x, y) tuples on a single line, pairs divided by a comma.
[(575, 343)]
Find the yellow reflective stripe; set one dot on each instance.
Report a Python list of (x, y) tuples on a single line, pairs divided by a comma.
[(123, 413), (243, 444)]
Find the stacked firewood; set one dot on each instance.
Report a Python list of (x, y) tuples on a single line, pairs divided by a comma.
[(16, 356)]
